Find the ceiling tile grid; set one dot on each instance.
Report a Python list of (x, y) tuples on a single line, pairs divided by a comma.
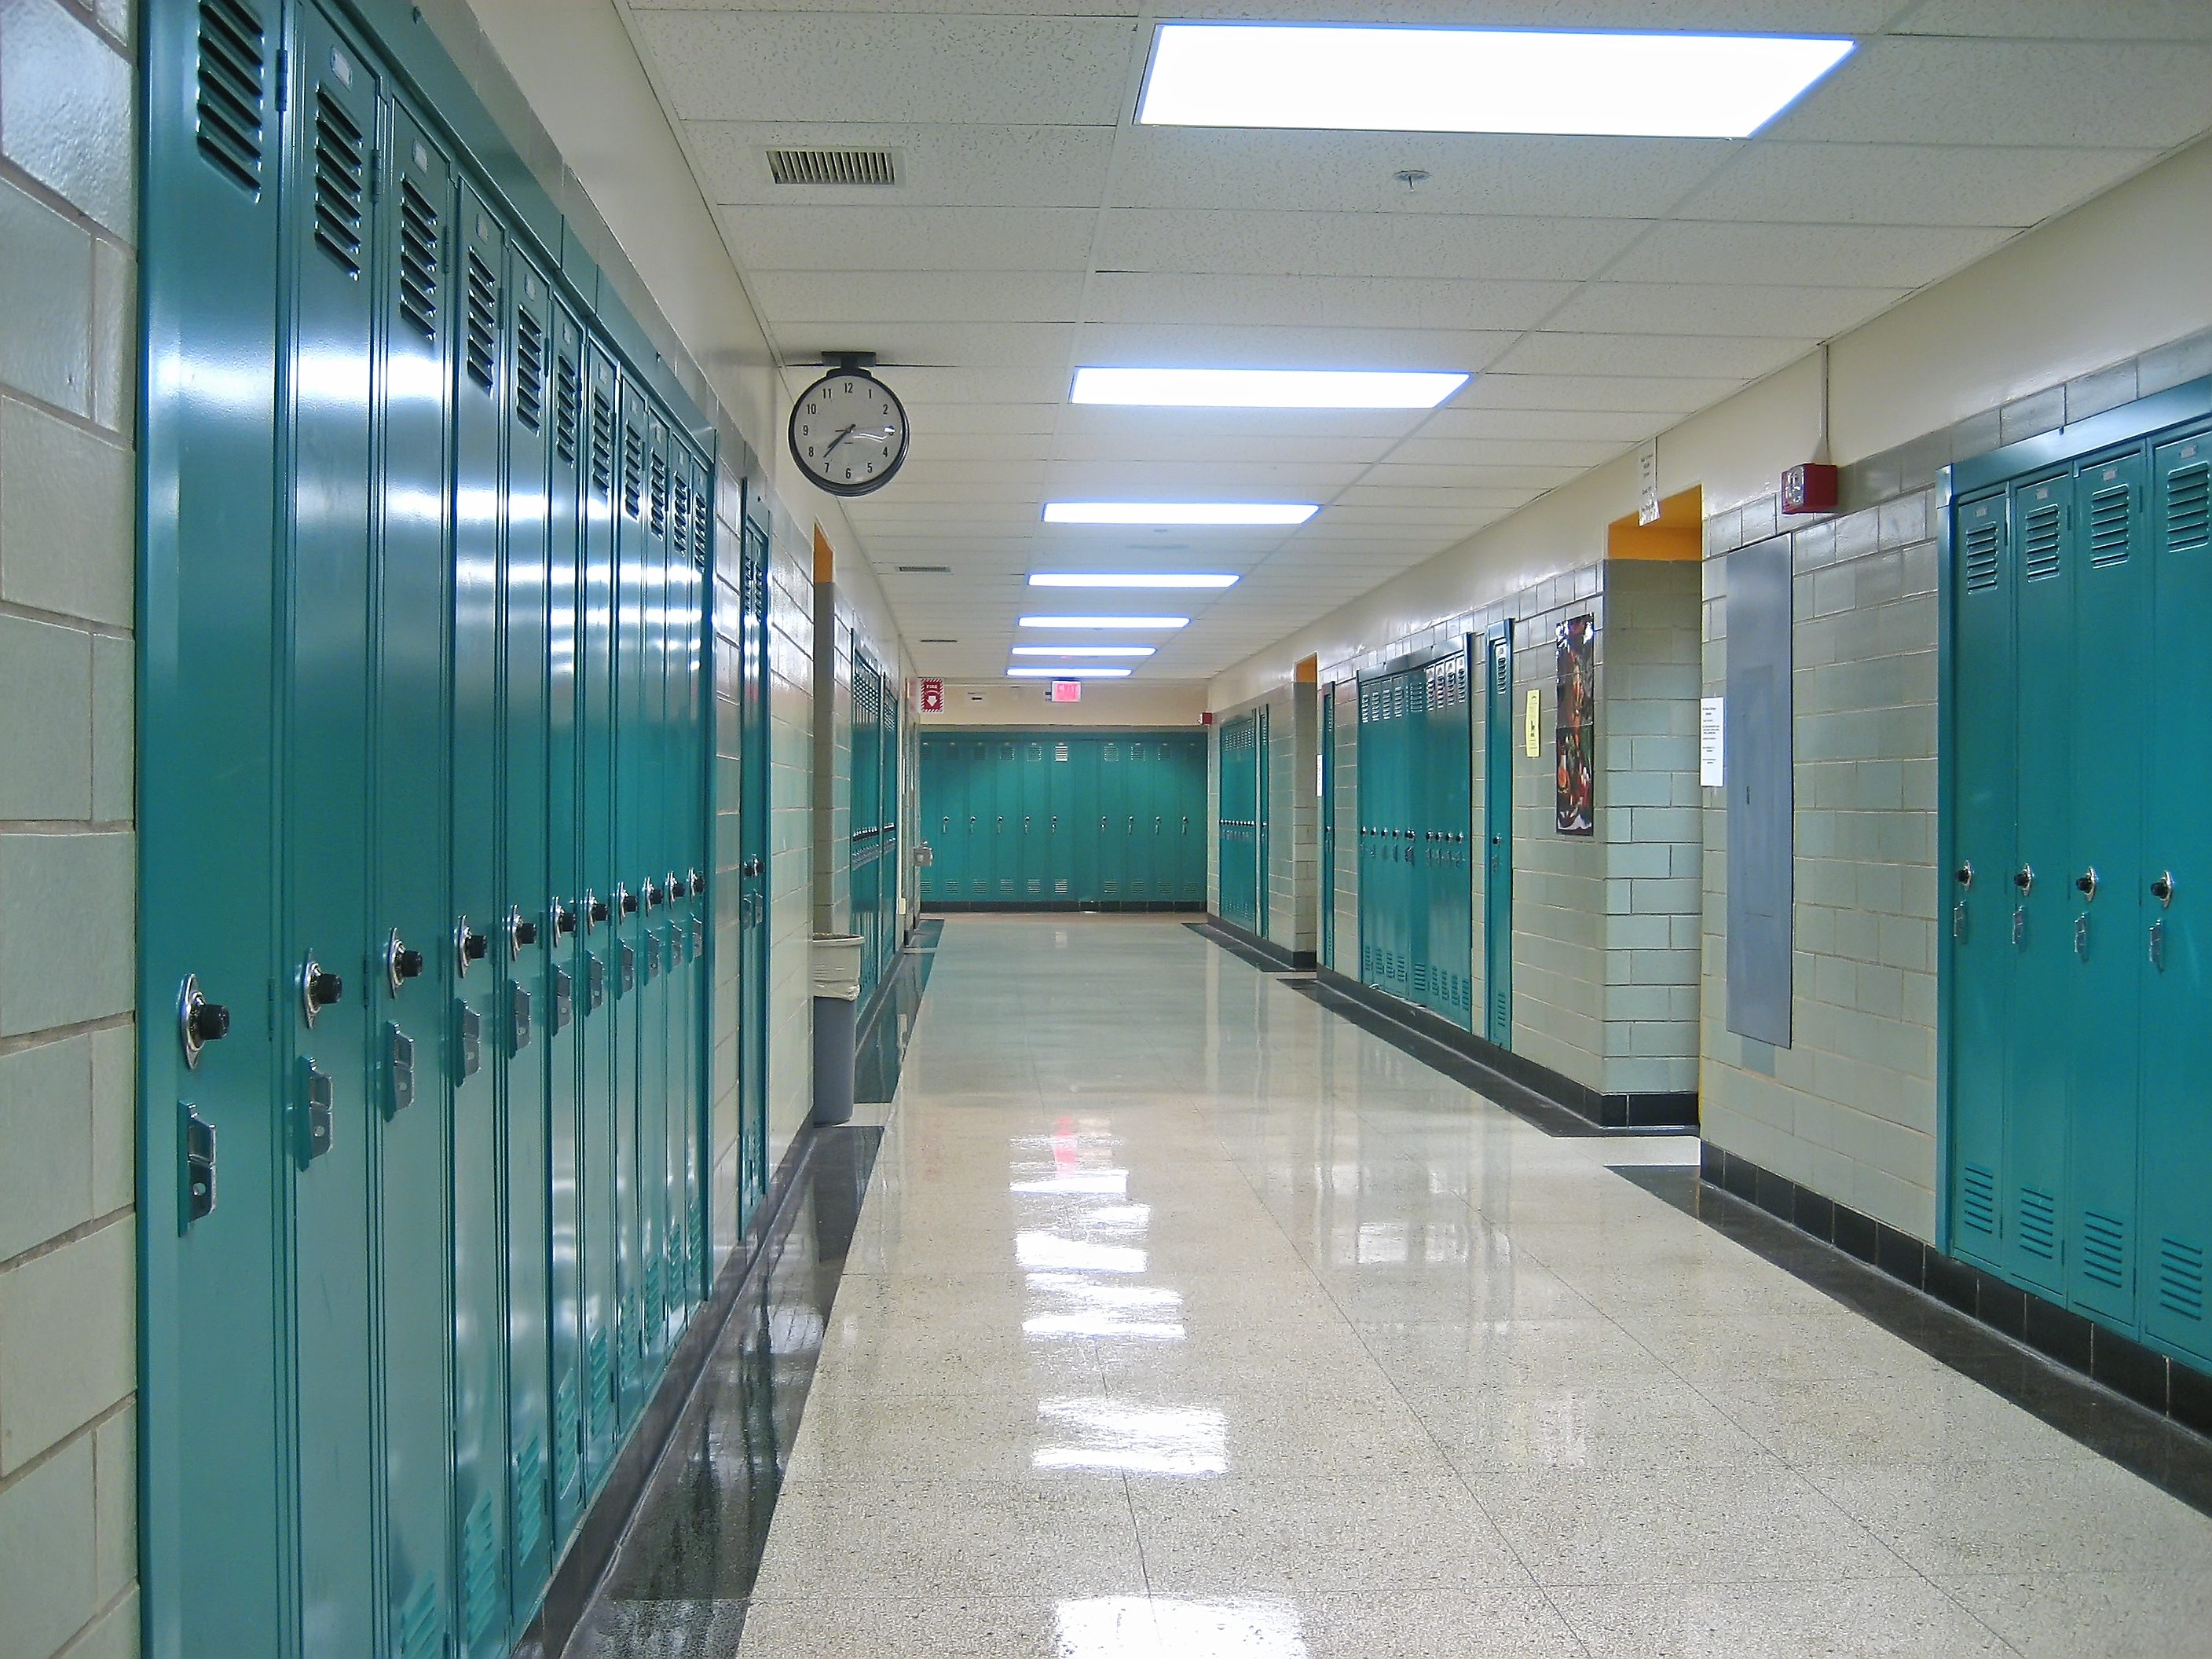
[(1598, 289)]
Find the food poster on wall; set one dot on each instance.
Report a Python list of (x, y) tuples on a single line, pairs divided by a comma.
[(1576, 734)]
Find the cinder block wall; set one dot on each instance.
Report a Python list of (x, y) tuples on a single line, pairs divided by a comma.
[(791, 626), (68, 927), (1848, 1109)]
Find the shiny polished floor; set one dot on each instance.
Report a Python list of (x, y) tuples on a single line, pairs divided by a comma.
[(1184, 1319)]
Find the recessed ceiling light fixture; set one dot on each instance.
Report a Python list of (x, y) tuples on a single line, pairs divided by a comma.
[(1266, 388), (1424, 80), (1179, 512), (1084, 650), (1105, 622), (1071, 578), (1067, 673)]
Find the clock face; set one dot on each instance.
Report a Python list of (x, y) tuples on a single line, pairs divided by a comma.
[(848, 432)]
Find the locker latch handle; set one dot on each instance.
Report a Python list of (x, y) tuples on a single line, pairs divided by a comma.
[(319, 989), (199, 1022), (400, 963), (2024, 878), (1964, 875), (2162, 888), (2086, 884)]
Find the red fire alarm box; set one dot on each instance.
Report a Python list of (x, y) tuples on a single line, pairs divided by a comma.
[(933, 696), (1809, 489)]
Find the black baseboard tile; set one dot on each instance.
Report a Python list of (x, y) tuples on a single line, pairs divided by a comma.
[(1043, 907), (1281, 958), (1667, 1114), (2160, 1383)]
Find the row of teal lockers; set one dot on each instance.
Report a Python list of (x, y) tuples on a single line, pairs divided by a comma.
[(1242, 759), (874, 836), (425, 887), (1021, 820), (2079, 864)]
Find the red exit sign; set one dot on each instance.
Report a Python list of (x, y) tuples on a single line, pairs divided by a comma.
[(1068, 690)]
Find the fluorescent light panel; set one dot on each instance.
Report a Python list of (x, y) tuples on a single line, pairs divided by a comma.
[(1084, 650), (1067, 579), (1178, 511), (1105, 622), (1266, 388), (1423, 79), (1067, 673)]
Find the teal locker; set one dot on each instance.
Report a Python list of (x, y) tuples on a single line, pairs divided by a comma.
[(2111, 574), (1149, 882), (479, 1365), (214, 1163), (694, 763), (628, 969), (1446, 776), (1983, 582), (2035, 1151), (1497, 733), (2175, 945), (1061, 834), (409, 976), (1261, 785), (600, 964), (754, 848), (1326, 802), (563, 923), (937, 830), (521, 948), (1086, 826), (1114, 850), (321, 1001), (887, 891), (643, 773)]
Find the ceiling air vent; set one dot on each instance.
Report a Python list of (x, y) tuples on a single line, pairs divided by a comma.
[(925, 569), (834, 167)]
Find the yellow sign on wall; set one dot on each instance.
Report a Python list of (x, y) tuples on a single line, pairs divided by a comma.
[(1535, 719)]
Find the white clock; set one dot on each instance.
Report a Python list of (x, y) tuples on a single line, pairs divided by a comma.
[(848, 432)]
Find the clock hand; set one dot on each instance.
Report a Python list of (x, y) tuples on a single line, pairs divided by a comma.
[(840, 439), (883, 437)]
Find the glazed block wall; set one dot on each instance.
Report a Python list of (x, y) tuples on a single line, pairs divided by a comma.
[(790, 620), (1605, 927), (67, 1226), (1850, 1109)]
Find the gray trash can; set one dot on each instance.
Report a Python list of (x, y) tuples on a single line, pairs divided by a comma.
[(836, 1004)]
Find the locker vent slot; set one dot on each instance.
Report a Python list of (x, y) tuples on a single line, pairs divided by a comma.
[(232, 90), (341, 182), (632, 486), (2103, 1249), (658, 523), (2188, 506), (528, 370), (833, 167), (1060, 887), (529, 1497), (681, 536), (2181, 1277), (1985, 546), (601, 1382), (2040, 542), (2109, 513), (480, 1597), (566, 404), (1977, 1200), (1037, 884), (421, 1633), (481, 346), (567, 1428), (603, 445), (703, 530), (418, 260), (2039, 1223)]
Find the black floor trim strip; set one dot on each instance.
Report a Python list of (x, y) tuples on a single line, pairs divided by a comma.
[(887, 1023), (1237, 948), (1255, 948), (688, 1558), (2158, 1449)]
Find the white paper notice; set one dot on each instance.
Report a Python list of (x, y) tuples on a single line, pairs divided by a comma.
[(1647, 482), (1711, 774)]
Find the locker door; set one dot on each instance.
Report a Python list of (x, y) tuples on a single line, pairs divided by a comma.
[(1448, 779), (1113, 801), (753, 849), (1061, 825), (214, 1548), (600, 965), (480, 1441), (632, 776), (1082, 823), (1983, 586), (566, 985), (1136, 820), (1325, 902), (887, 893), (1035, 819), (1497, 838), (687, 925), (521, 948), (1366, 790), (1262, 782), (936, 815), (410, 974), (2112, 597), (1425, 725), (321, 992), (2042, 895), (645, 793), (2175, 944)]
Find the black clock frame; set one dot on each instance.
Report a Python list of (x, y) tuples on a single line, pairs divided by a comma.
[(866, 487)]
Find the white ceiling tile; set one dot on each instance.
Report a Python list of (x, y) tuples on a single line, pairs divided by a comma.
[(827, 66), (1453, 488), (1169, 477), (1719, 309), (931, 384), (1228, 443), (1909, 183), (939, 165), (1849, 256), (906, 351), (1180, 345), (1361, 244), (1186, 298), (1240, 168), (982, 419), (1461, 422), (1549, 452), (1743, 357), (1916, 90), (2070, 20), (1592, 391), (1171, 426), (930, 444), (908, 238), (849, 297)]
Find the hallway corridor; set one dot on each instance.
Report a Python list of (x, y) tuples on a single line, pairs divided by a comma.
[(1185, 1319)]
